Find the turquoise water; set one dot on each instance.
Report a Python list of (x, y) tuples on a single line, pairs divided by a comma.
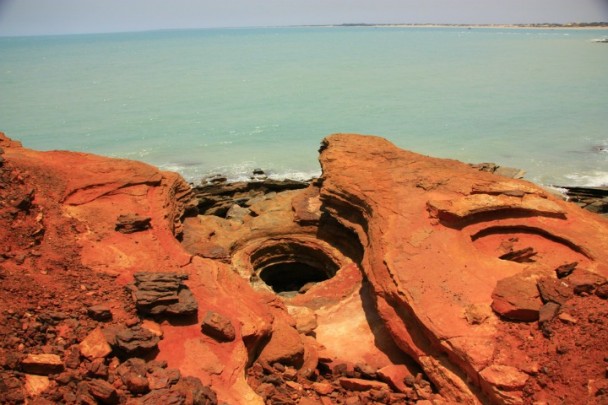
[(231, 100)]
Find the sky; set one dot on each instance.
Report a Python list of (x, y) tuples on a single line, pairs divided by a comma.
[(44, 17)]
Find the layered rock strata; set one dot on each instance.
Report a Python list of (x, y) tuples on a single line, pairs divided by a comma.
[(394, 278), (434, 233)]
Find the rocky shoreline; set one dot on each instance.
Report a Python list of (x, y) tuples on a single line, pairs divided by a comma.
[(394, 278), (216, 195)]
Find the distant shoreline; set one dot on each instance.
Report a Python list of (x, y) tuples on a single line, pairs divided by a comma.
[(582, 26)]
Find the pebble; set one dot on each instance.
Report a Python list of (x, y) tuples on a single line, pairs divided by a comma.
[(567, 318)]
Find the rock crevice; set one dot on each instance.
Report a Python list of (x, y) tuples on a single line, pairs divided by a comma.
[(394, 278)]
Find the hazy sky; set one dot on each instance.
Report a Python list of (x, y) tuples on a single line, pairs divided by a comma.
[(34, 17)]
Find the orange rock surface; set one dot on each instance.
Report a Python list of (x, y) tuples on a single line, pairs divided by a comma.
[(433, 232), (392, 261)]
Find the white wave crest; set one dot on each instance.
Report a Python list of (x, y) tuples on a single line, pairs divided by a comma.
[(592, 179)]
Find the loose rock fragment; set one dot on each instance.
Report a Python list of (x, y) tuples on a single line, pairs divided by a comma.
[(160, 378), (42, 364), (218, 327), (35, 384), (565, 269), (136, 341), (567, 318), (602, 291), (584, 281), (520, 256), (517, 298), (130, 223), (504, 377), (554, 290), (95, 345), (133, 375), (395, 375), (196, 391), (164, 396), (285, 346), (99, 313), (322, 388), (163, 294), (103, 391), (548, 312), (357, 384)]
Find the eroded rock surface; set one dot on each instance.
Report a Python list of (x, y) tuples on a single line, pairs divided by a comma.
[(436, 234), (395, 278), (163, 294)]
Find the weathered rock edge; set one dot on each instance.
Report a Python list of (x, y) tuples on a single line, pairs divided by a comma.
[(432, 231), (425, 225)]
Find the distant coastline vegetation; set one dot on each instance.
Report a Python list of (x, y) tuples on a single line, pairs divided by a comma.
[(534, 25)]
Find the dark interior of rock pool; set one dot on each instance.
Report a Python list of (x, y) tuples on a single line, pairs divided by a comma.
[(285, 277)]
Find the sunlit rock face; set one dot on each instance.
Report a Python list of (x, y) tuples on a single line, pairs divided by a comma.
[(394, 277), (438, 238)]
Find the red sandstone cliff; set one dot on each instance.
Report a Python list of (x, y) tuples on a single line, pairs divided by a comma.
[(395, 278)]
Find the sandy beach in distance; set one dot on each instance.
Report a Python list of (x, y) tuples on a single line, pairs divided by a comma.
[(603, 26)]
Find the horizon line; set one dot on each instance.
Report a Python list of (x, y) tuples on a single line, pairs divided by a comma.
[(547, 25)]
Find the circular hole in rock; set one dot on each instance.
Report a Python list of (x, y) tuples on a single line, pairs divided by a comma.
[(289, 265), (291, 276)]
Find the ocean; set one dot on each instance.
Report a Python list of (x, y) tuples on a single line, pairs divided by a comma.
[(229, 101)]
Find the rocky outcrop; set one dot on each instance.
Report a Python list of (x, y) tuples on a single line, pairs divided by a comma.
[(62, 255), (436, 234), (394, 278), (594, 199), (163, 294)]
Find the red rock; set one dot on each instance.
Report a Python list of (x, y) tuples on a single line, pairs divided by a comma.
[(285, 346), (306, 320), (309, 401), (548, 312), (504, 377), (42, 364), (196, 392), (98, 368), (322, 388), (517, 298), (136, 341), (366, 371), (429, 269), (353, 400), (567, 318), (311, 357), (153, 327), (307, 206), (395, 375), (294, 386), (326, 401), (35, 385), (218, 327), (565, 269), (602, 291), (162, 378), (425, 234), (71, 357), (555, 290), (584, 281), (357, 384), (129, 223), (135, 383), (103, 391), (164, 396), (133, 375), (99, 312), (95, 345)]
